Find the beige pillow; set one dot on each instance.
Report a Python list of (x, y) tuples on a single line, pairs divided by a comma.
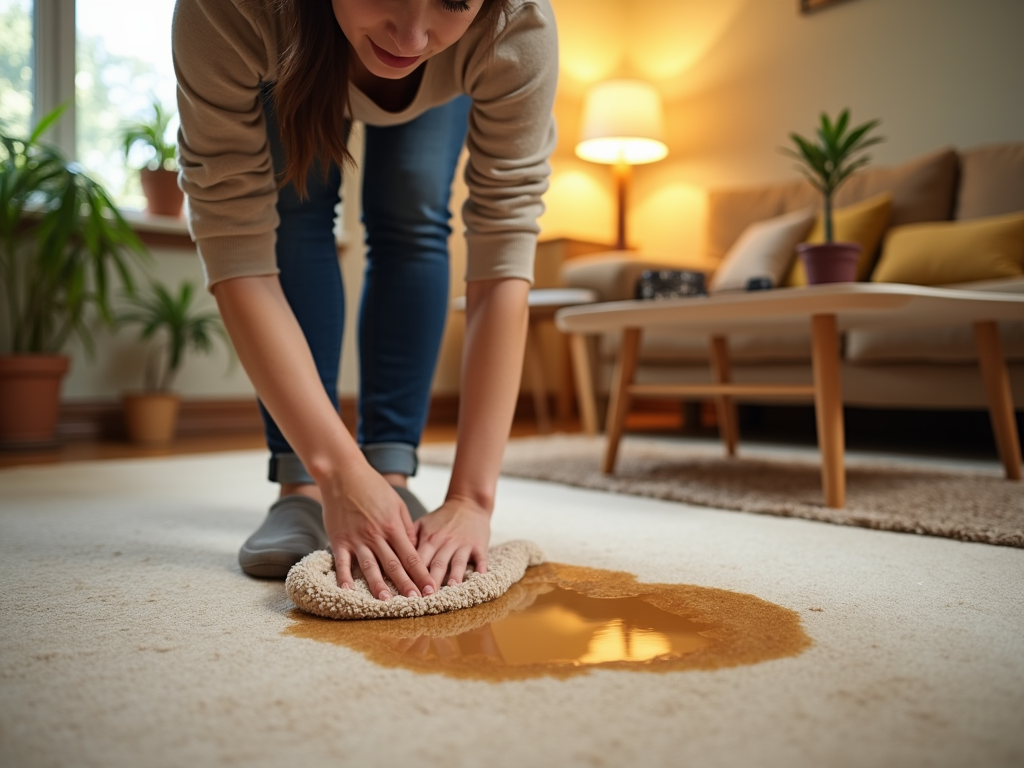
[(765, 249), (947, 252)]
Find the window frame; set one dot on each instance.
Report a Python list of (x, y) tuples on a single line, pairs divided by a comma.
[(53, 75)]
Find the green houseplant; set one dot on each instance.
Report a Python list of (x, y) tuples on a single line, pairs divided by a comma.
[(175, 327), (160, 175), (827, 161), (62, 241)]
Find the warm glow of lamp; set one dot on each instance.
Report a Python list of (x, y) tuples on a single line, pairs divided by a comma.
[(622, 126)]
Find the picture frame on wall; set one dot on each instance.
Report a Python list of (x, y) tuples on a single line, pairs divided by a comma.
[(810, 6)]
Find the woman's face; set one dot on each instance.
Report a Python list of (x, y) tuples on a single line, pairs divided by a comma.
[(392, 37)]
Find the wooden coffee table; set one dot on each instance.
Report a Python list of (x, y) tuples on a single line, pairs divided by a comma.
[(829, 310)]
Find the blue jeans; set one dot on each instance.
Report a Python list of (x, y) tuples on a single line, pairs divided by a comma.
[(407, 177)]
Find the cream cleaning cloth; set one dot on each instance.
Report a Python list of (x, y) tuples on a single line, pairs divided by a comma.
[(313, 587)]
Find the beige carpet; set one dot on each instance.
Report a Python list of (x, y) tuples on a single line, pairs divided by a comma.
[(130, 638), (969, 505)]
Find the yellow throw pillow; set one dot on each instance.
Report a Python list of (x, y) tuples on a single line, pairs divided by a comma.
[(863, 223), (942, 252)]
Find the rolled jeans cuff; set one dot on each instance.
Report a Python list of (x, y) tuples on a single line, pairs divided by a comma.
[(288, 468), (396, 458)]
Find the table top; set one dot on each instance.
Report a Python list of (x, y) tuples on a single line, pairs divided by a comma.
[(855, 305), (546, 298)]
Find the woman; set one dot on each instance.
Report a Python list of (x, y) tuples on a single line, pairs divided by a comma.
[(266, 91)]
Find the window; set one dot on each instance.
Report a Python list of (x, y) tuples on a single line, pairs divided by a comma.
[(123, 65), (110, 59), (16, 82)]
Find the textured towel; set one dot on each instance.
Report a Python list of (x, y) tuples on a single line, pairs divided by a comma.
[(313, 587)]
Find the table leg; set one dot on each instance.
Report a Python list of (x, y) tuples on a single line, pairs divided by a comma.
[(618, 406), (828, 407), (1000, 401), (565, 382), (728, 418), (538, 386), (584, 382)]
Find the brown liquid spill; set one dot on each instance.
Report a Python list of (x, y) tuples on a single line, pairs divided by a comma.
[(562, 620)]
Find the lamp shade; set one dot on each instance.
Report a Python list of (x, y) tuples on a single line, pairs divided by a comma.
[(622, 123)]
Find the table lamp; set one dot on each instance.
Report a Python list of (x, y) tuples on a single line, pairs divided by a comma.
[(622, 126)]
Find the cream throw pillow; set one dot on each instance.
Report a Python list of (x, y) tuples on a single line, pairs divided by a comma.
[(947, 252), (765, 249)]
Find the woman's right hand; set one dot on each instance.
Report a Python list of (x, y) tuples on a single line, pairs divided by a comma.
[(369, 527)]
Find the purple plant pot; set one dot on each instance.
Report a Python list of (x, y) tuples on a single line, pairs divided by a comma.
[(830, 262)]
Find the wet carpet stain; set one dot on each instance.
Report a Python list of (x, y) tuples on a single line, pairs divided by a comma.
[(564, 620)]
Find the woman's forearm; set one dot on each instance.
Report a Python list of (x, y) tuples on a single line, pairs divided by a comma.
[(275, 355), (492, 363)]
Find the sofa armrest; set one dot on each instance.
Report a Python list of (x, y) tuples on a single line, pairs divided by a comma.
[(611, 275)]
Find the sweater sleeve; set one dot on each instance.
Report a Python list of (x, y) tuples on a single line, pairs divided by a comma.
[(221, 57), (511, 136)]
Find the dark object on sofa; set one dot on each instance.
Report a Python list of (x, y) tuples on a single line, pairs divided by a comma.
[(670, 284)]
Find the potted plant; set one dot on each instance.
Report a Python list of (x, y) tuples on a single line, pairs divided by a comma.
[(60, 238), (151, 415), (160, 175), (827, 162)]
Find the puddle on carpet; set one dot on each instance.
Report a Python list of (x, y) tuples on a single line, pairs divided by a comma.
[(562, 620)]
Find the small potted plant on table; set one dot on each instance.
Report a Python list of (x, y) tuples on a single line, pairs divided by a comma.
[(827, 163), (160, 176), (60, 238), (151, 415)]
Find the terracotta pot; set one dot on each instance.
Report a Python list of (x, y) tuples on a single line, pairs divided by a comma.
[(830, 262), (163, 197), (151, 418), (30, 399)]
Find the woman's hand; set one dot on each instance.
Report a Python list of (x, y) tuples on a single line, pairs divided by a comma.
[(368, 525), (452, 537)]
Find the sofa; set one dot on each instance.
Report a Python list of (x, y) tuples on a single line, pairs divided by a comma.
[(943, 191)]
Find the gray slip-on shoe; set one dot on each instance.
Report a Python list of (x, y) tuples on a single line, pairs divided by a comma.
[(293, 528)]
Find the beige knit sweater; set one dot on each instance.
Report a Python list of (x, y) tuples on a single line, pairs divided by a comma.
[(225, 49)]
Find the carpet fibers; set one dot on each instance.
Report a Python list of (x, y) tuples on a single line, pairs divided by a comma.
[(967, 505), (129, 637)]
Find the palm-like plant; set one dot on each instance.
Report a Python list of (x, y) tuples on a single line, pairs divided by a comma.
[(159, 311), (829, 161), (60, 237), (152, 133)]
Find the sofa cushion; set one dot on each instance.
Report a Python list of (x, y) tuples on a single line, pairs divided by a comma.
[(668, 345), (953, 251), (862, 223), (938, 345), (765, 249), (922, 189), (991, 181)]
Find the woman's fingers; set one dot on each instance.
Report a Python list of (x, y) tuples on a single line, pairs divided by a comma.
[(410, 567), (371, 572), (439, 562), (479, 558), (394, 569), (458, 565), (343, 567)]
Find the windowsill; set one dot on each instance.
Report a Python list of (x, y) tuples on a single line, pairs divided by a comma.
[(147, 222)]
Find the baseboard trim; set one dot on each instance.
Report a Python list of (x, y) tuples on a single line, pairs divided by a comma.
[(104, 420)]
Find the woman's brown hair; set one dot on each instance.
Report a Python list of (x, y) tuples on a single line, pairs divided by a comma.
[(311, 93)]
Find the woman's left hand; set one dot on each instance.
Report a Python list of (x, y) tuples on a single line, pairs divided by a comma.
[(452, 537)]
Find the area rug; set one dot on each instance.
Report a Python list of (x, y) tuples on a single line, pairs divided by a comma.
[(957, 504), (130, 639)]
